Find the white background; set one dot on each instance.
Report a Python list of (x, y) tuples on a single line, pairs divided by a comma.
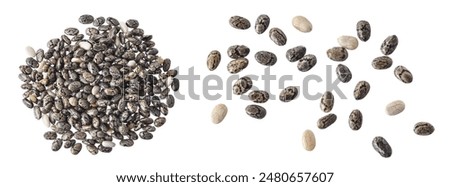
[(186, 31)]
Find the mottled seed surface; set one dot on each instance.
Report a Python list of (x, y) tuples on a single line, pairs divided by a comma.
[(266, 58), (326, 121), (288, 94), (258, 96), (337, 54), (423, 128), (343, 73), (327, 102), (363, 30), (382, 62), (237, 65), (277, 36), (242, 85), (213, 60), (255, 111), (403, 74), (382, 147), (295, 53), (238, 51), (306, 63), (262, 23), (389, 45), (355, 120), (239, 22), (362, 88)]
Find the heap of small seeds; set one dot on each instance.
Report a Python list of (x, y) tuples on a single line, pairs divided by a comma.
[(106, 85), (307, 61)]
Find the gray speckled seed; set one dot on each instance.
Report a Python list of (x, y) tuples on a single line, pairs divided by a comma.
[(363, 30), (362, 88), (86, 19), (242, 85), (255, 111), (266, 58), (238, 51), (258, 96), (337, 54), (327, 102), (71, 31), (355, 120), (295, 53), (382, 62), (403, 74), (57, 144), (262, 23), (306, 62), (76, 148), (277, 36), (288, 94), (239, 22), (325, 121), (389, 45), (236, 66), (213, 60), (382, 147), (343, 73), (423, 128)]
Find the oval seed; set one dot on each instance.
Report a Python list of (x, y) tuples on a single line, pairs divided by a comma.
[(242, 85), (277, 36), (76, 148), (309, 140), (382, 146), (423, 128), (213, 60), (218, 113), (266, 58), (325, 121), (343, 73), (57, 144), (395, 107), (237, 65), (108, 144), (363, 30), (382, 62), (302, 24), (262, 23), (238, 51), (337, 54), (30, 52), (389, 45), (327, 102), (348, 42), (86, 19), (255, 111), (239, 22), (403, 74), (362, 88), (306, 62), (71, 31), (50, 135), (355, 120), (145, 135), (288, 94), (258, 96), (295, 53), (132, 23)]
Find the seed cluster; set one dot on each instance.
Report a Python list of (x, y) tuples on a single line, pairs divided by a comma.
[(362, 88), (239, 53), (106, 85)]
